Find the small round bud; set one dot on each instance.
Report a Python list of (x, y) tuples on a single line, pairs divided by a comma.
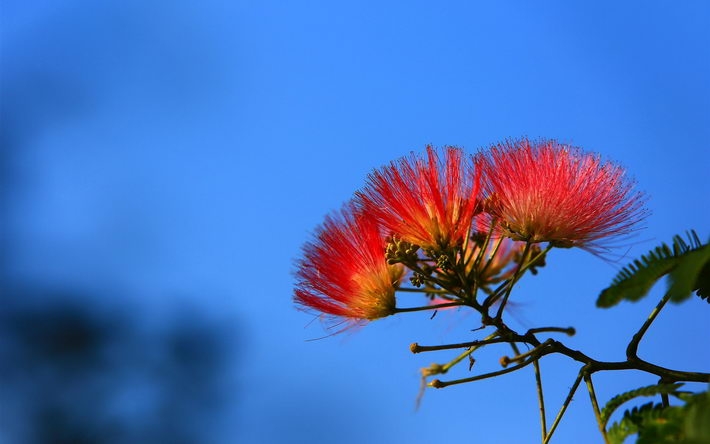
[(436, 384), (417, 280)]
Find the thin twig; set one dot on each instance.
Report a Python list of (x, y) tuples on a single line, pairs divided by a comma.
[(429, 307), (564, 406), (506, 360), (482, 253), (595, 406), (541, 399), (632, 349), (518, 273), (424, 290), (416, 348), (441, 384), (569, 331), (664, 396)]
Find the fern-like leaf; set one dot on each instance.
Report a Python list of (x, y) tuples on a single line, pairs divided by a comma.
[(658, 424), (621, 430), (651, 390), (635, 280), (703, 283), (690, 274), (695, 415), (631, 421)]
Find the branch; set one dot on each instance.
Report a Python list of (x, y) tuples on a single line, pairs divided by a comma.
[(416, 348), (429, 307), (595, 406), (632, 349), (561, 413), (441, 384), (540, 399)]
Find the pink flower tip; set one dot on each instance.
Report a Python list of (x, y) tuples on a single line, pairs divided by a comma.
[(344, 273), (424, 199), (545, 191)]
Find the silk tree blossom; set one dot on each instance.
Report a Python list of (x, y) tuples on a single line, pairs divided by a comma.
[(497, 262), (549, 192), (424, 200), (344, 273)]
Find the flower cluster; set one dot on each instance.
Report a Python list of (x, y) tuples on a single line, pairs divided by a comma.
[(423, 200), (549, 192), (344, 272), (459, 223)]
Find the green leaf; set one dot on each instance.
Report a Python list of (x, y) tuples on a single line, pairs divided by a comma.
[(662, 425), (697, 418), (635, 280), (658, 424), (621, 430), (703, 283), (686, 276), (651, 390), (631, 422)]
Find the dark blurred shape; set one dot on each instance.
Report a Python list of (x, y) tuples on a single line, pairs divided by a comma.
[(80, 365), (74, 370)]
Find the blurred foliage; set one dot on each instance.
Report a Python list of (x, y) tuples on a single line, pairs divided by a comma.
[(686, 263), (620, 399), (657, 424), (76, 370)]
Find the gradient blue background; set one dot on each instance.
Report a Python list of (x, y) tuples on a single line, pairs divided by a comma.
[(170, 158)]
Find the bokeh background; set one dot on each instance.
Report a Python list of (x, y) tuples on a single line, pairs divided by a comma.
[(162, 163)]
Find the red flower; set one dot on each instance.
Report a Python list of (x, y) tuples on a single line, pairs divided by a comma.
[(549, 192), (424, 201), (498, 262), (344, 272)]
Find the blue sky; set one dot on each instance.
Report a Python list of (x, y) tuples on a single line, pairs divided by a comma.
[(182, 153)]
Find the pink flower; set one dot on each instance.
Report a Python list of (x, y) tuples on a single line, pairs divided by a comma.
[(498, 262), (344, 273), (424, 201), (549, 192)]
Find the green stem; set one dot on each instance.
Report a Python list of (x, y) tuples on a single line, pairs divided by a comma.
[(441, 384), (632, 349), (427, 276), (665, 400), (428, 307), (561, 413), (482, 253), (496, 294), (445, 368), (491, 339), (518, 273), (540, 399), (468, 352), (569, 331), (515, 348), (533, 352), (425, 290), (595, 406)]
